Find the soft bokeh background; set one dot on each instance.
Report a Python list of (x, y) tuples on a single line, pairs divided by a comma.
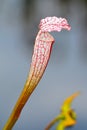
[(66, 72)]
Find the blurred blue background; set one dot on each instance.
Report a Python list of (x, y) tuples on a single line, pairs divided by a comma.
[(66, 72)]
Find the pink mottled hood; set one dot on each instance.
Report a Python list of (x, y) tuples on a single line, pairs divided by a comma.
[(53, 24)]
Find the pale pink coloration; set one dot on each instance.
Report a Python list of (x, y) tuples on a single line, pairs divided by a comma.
[(53, 24), (40, 58), (41, 55), (42, 50)]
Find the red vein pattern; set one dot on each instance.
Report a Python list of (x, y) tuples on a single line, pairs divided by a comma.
[(50, 24), (40, 58), (41, 55)]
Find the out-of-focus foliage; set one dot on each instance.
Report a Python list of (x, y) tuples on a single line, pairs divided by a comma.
[(67, 116)]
